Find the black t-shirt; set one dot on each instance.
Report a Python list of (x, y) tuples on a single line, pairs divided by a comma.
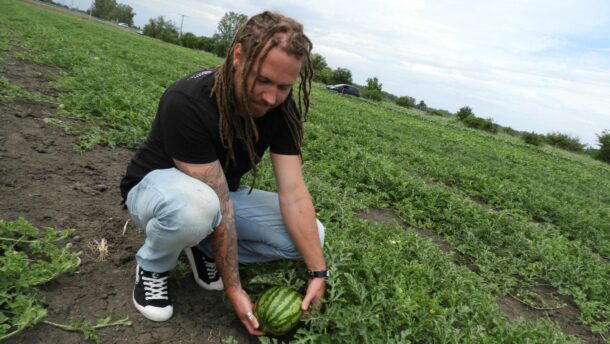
[(186, 129)]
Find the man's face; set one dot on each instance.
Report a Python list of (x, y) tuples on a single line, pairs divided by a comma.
[(272, 86)]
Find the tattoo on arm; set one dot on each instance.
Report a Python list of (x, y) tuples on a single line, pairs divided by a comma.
[(224, 238)]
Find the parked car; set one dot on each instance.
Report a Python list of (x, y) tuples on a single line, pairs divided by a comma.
[(345, 89), (124, 25)]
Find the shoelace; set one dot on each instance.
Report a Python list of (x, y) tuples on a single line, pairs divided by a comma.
[(210, 268), (156, 288)]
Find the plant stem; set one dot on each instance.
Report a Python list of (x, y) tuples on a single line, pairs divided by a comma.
[(534, 307), (12, 333), (98, 326), (18, 240)]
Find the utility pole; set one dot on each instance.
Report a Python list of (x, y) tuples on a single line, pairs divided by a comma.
[(91, 8), (181, 22)]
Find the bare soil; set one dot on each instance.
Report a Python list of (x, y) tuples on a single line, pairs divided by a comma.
[(45, 181)]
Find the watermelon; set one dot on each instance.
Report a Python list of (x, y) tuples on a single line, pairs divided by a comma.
[(278, 310)]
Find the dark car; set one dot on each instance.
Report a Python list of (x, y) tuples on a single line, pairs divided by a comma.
[(344, 89)]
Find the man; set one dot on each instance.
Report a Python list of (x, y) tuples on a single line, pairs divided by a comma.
[(182, 185)]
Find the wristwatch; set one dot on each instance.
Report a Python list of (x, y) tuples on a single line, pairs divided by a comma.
[(318, 274)]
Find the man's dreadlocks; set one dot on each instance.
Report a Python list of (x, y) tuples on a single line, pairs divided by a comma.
[(257, 37)]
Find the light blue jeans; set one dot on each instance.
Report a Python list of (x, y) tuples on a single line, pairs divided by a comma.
[(178, 211)]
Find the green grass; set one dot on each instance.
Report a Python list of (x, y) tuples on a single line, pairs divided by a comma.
[(522, 215)]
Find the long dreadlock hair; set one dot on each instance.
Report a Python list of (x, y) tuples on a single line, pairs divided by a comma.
[(257, 37)]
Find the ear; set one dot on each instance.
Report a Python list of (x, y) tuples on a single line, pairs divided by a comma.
[(237, 54)]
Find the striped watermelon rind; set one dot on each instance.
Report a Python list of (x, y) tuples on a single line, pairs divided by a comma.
[(278, 310)]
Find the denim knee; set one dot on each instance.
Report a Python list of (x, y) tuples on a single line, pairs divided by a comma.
[(193, 210)]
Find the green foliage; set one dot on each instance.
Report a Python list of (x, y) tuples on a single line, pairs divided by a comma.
[(481, 123), (229, 24), (372, 90), (603, 153), (439, 112), (478, 192), (30, 258), (162, 29), (532, 138), (466, 116), (464, 113), (321, 71), (189, 40), (422, 105), (206, 43), (405, 101), (564, 141), (221, 46), (8, 91), (510, 131), (341, 76), (111, 10)]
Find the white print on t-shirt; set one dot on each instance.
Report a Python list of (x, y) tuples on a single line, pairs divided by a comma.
[(199, 74)]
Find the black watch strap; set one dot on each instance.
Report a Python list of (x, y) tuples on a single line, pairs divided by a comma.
[(318, 274)]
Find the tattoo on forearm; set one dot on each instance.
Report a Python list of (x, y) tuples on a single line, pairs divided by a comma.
[(224, 238)]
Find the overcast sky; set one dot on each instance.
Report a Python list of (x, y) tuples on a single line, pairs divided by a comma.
[(535, 65)]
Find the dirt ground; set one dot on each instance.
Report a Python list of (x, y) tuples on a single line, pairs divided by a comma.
[(45, 181)]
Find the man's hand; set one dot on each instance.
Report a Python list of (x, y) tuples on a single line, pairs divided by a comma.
[(244, 307), (315, 292)]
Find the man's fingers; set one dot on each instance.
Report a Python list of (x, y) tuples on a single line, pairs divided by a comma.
[(305, 303), (253, 321), (252, 326)]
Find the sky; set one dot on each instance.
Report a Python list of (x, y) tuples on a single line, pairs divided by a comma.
[(533, 65)]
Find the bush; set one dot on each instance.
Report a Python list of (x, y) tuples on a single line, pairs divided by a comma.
[(533, 138), (603, 153), (464, 113), (481, 123), (405, 101), (439, 112), (371, 94), (341, 76), (564, 141), (206, 43), (510, 131)]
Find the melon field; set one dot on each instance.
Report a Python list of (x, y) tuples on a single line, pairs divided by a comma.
[(436, 233)]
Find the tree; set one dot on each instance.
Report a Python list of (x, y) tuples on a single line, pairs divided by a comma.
[(463, 113), (189, 40), (206, 43), (221, 45), (227, 27), (341, 76), (603, 153), (564, 141), (321, 71), (422, 105), (405, 101), (229, 24), (101, 8), (372, 90), (111, 10), (162, 29), (122, 14)]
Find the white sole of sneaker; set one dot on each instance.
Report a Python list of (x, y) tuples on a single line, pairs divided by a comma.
[(213, 286), (158, 314)]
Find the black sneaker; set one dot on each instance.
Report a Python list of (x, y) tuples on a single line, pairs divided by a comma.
[(150, 295), (204, 269)]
